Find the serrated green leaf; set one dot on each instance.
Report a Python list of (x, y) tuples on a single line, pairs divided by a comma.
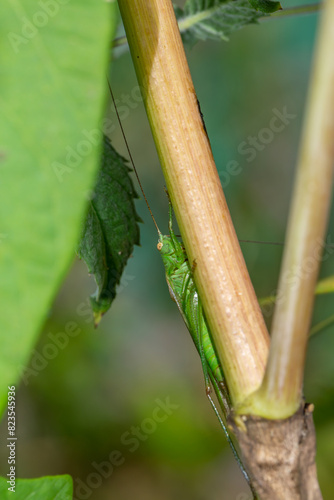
[(214, 19), (111, 230), (43, 488), (53, 63)]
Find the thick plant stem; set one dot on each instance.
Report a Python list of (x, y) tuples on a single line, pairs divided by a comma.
[(280, 394), (280, 455), (230, 304)]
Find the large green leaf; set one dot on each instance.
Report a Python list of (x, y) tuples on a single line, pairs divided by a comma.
[(43, 488), (111, 228), (53, 63)]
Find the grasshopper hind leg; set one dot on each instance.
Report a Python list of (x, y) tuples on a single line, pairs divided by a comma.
[(209, 381)]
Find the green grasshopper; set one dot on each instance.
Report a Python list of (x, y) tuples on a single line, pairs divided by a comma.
[(182, 289)]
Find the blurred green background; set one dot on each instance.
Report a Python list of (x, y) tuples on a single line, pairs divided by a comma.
[(92, 394)]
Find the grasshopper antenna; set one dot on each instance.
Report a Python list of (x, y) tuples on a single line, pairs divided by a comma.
[(142, 190), (131, 159)]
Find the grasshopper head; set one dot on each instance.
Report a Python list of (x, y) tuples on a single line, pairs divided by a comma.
[(165, 245), (172, 253)]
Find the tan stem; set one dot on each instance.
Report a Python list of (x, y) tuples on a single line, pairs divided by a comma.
[(280, 455), (230, 304), (280, 394)]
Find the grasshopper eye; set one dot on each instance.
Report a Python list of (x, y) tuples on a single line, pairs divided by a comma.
[(159, 246)]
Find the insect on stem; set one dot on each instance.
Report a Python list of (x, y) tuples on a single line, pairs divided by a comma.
[(182, 289)]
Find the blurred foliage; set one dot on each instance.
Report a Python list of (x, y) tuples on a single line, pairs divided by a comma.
[(76, 410)]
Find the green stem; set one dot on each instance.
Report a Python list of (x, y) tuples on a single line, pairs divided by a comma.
[(229, 301), (321, 325), (281, 391), (294, 11), (323, 287)]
